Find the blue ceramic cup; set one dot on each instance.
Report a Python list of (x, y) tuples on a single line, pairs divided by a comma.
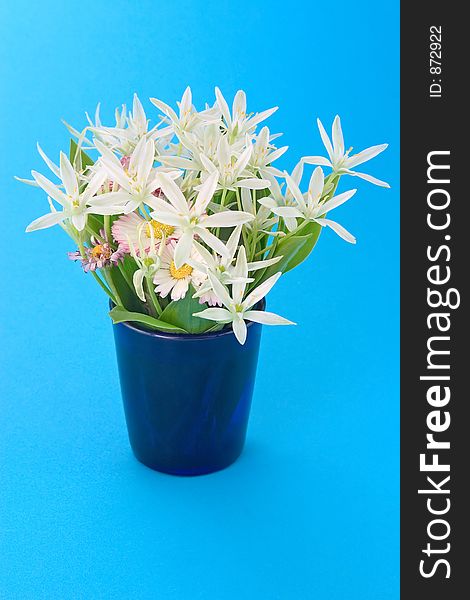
[(186, 397)]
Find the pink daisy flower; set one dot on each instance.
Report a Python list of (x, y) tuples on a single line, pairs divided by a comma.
[(98, 255), (129, 227)]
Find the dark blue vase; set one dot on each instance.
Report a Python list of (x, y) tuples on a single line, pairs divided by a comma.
[(186, 397)]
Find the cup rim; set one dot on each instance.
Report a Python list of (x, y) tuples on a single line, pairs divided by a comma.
[(261, 305)]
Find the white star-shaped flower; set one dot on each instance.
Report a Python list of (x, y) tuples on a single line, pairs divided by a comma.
[(339, 159)]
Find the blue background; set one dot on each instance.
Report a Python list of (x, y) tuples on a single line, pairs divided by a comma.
[(311, 508)]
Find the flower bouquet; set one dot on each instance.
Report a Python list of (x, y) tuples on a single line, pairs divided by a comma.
[(187, 226)]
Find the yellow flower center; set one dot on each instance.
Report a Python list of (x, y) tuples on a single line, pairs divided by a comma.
[(180, 273), (100, 251), (159, 229)]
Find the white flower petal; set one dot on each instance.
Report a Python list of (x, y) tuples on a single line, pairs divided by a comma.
[(106, 152), (206, 192), (183, 248), (243, 159), (222, 104), (267, 201), (262, 116), (261, 264), (137, 280), (108, 209), (147, 160), (205, 254), (335, 201), (287, 211), (179, 163), (208, 164), (168, 218), (232, 242), (68, 175), (266, 318), (337, 228), (222, 315), (173, 193), (317, 160), (138, 112), (253, 183), (52, 166), (136, 156), (316, 184), (298, 172), (163, 132), (164, 288), (27, 181), (115, 172), (239, 104), (79, 221), (212, 241), (325, 140), (94, 185), (240, 274), (46, 221), (295, 191), (180, 288), (166, 110), (110, 198), (132, 205), (365, 155), (277, 153), (369, 178), (226, 218), (291, 223), (338, 139), (220, 290), (186, 102), (51, 190), (239, 329), (260, 292), (160, 205)]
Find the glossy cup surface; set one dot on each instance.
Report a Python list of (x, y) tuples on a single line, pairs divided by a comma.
[(186, 398)]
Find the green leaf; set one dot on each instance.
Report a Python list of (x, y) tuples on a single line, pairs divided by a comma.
[(96, 223), (129, 299), (130, 267), (120, 315), (293, 250), (87, 161), (216, 327), (180, 313)]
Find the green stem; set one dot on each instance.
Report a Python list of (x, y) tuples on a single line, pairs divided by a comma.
[(254, 229), (151, 307), (107, 228), (222, 203), (94, 234), (104, 287), (297, 230), (109, 281), (239, 205), (264, 250), (224, 194), (254, 235), (153, 296), (81, 245), (125, 275)]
